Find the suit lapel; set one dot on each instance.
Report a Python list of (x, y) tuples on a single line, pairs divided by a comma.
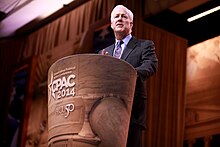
[(130, 46)]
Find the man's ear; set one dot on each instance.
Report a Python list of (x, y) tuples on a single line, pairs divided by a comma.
[(112, 26)]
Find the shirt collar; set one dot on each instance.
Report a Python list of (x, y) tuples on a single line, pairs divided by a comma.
[(126, 39)]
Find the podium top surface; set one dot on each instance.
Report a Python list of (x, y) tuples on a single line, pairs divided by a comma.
[(94, 58)]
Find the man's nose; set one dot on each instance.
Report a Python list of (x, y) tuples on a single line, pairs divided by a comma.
[(120, 17)]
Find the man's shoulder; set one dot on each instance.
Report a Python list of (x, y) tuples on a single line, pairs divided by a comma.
[(109, 47), (143, 40), (140, 40)]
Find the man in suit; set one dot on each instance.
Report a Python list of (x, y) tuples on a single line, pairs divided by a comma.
[(141, 55)]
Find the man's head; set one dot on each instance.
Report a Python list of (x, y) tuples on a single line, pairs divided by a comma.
[(121, 21)]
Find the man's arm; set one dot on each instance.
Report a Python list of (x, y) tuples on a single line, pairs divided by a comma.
[(149, 61)]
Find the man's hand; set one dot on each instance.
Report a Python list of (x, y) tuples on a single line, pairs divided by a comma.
[(104, 52)]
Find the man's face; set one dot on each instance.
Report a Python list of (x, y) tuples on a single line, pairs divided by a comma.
[(120, 21)]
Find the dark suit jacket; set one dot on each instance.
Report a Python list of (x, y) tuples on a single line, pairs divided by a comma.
[(141, 55)]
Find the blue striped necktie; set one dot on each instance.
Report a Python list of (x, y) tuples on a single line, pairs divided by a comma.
[(118, 49)]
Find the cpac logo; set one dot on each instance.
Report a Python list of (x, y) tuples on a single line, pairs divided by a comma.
[(63, 87)]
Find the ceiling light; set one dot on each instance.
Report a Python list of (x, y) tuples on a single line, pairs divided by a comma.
[(203, 14)]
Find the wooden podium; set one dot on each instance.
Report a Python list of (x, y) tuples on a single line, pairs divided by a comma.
[(90, 98)]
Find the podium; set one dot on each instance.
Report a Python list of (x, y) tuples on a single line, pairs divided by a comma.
[(90, 98)]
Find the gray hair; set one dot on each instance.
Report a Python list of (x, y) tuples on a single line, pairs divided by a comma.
[(130, 14)]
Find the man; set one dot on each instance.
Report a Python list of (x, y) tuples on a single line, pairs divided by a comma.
[(141, 55)]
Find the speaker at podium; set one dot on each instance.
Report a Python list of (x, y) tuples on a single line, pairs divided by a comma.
[(90, 98)]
